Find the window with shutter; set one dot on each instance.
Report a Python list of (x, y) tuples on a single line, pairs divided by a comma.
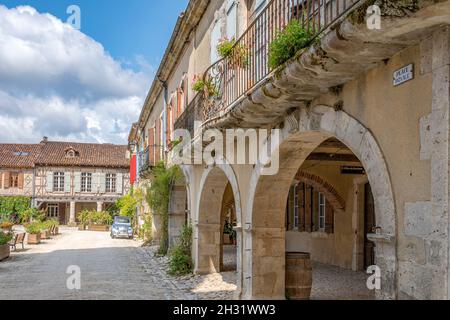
[(231, 19), (151, 143), (77, 182), (20, 180), (216, 34), (49, 185), (67, 182), (6, 179), (119, 186)]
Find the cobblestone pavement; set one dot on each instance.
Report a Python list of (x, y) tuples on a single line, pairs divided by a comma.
[(123, 269), (110, 269)]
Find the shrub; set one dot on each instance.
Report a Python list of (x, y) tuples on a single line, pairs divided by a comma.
[(83, 217), (34, 227), (12, 207), (146, 229), (32, 214), (100, 218), (287, 43), (180, 257), (5, 238)]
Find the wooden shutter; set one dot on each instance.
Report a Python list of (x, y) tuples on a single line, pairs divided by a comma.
[(329, 218), (1, 180), (119, 183), (77, 182), (158, 141), (290, 210), (20, 180), (301, 208), (309, 210), (7, 179), (67, 182), (151, 143), (101, 182), (49, 185), (169, 123)]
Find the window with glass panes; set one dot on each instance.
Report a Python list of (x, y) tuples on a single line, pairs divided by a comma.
[(86, 182), (111, 179), (58, 182)]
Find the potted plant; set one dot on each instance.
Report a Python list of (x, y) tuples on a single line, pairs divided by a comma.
[(236, 53), (46, 227), (5, 238), (83, 218), (228, 229), (100, 221), (34, 230), (205, 86)]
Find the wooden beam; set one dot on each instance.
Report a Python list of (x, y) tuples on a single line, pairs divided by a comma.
[(333, 157)]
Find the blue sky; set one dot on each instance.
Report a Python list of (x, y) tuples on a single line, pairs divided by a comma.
[(126, 28), (84, 85)]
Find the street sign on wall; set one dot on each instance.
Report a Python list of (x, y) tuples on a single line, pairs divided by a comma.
[(403, 75)]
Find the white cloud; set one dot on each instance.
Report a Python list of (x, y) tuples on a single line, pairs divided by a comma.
[(58, 82)]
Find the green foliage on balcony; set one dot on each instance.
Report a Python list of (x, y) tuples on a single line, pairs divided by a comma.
[(288, 42)]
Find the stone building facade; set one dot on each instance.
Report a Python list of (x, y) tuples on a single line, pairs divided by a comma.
[(64, 178), (363, 121)]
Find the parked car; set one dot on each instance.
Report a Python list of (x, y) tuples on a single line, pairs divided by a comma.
[(122, 228)]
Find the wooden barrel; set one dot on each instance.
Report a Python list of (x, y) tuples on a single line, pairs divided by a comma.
[(298, 276)]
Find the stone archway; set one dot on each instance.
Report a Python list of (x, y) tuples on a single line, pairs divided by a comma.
[(208, 231), (303, 132)]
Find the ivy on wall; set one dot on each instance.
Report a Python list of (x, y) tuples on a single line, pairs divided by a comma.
[(158, 197)]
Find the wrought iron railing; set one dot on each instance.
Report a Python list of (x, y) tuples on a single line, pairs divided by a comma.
[(144, 160), (193, 112), (248, 63)]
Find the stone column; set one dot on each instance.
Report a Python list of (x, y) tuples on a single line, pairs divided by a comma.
[(72, 219), (99, 206)]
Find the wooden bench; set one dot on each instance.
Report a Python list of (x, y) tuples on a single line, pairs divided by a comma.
[(18, 239)]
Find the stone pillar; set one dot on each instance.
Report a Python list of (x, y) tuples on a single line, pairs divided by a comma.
[(99, 206), (208, 259), (72, 219)]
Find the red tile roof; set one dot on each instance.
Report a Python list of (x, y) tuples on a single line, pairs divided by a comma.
[(52, 153), (17, 156)]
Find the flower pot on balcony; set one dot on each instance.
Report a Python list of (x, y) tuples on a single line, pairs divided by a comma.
[(4, 252), (34, 238), (98, 228)]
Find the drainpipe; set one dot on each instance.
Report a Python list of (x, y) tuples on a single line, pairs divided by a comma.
[(164, 125)]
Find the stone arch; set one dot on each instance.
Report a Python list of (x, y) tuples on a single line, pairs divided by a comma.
[(302, 133), (323, 186), (208, 233)]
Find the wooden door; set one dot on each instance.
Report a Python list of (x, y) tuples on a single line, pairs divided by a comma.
[(369, 225)]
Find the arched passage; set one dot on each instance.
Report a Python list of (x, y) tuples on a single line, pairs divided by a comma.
[(303, 133), (208, 239)]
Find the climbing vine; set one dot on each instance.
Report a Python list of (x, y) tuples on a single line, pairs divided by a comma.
[(158, 197)]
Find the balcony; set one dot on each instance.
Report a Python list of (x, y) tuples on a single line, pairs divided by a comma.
[(234, 79)]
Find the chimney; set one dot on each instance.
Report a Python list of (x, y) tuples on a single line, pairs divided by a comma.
[(44, 140)]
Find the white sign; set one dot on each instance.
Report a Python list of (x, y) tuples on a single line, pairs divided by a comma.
[(403, 75)]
